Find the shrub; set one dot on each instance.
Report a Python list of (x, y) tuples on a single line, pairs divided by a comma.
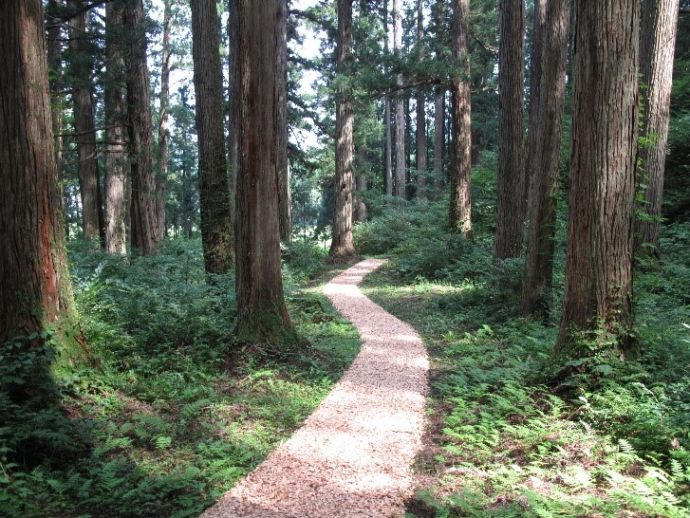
[(305, 259)]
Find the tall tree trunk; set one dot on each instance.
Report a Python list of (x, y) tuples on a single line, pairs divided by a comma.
[(389, 147), (262, 316), (408, 146), (657, 47), (55, 75), (421, 111), (35, 287), (400, 157), (216, 220), (84, 123), (510, 199), (439, 102), (599, 266), (460, 195), (163, 124), (360, 211), (143, 208), (233, 94), (439, 137), (546, 137), (342, 244), (535, 69), (285, 216), (388, 151), (116, 160)]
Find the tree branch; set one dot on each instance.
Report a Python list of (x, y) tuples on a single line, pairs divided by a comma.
[(69, 16)]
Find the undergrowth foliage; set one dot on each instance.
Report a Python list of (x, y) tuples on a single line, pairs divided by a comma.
[(510, 435), (163, 424)]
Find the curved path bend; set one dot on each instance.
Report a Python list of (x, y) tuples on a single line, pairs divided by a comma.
[(352, 457)]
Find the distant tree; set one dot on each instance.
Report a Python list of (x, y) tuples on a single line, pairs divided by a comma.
[(439, 101), (421, 110), (144, 227), (360, 204), (400, 158), (535, 76), (183, 179), (510, 196), (388, 146), (546, 136), (261, 312), (342, 244), (35, 287), (216, 220), (163, 122), (439, 136), (366, 43), (233, 95), (460, 194), (657, 44), (116, 160), (599, 264), (54, 49), (81, 72)]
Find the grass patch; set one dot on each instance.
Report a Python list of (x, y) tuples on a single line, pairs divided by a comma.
[(506, 436)]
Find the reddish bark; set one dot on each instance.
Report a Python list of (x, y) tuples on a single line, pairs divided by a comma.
[(599, 265)]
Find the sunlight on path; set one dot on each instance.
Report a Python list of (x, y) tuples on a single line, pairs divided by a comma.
[(353, 455)]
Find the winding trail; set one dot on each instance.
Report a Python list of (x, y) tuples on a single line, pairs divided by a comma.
[(352, 457)]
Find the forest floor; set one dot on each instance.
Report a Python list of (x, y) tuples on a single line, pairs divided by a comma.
[(353, 455), (172, 412)]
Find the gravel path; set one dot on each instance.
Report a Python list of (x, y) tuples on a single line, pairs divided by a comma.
[(353, 455)]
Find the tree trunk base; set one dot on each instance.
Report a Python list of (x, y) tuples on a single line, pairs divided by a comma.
[(265, 327)]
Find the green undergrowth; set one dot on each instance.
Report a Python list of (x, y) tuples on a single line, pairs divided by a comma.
[(170, 416), (508, 435)]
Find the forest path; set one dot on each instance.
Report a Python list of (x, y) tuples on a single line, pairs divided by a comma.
[(352, 457)]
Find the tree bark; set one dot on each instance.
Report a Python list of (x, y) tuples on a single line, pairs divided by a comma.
[(535, 68), (421, 111), (546, 137), (657, 47), (342, 244), (84, 123), (460, 194), (262, 316), (599, 265), (116, 160), (285, 215), (35, 286), (400, 157), (510, 199), (163, 124), (143, 207), (216, 220)]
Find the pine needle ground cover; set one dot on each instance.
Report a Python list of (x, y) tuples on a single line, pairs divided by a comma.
[(170, 415), (511, 433)]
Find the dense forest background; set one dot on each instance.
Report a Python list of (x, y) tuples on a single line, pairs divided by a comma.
[(204, 167)]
